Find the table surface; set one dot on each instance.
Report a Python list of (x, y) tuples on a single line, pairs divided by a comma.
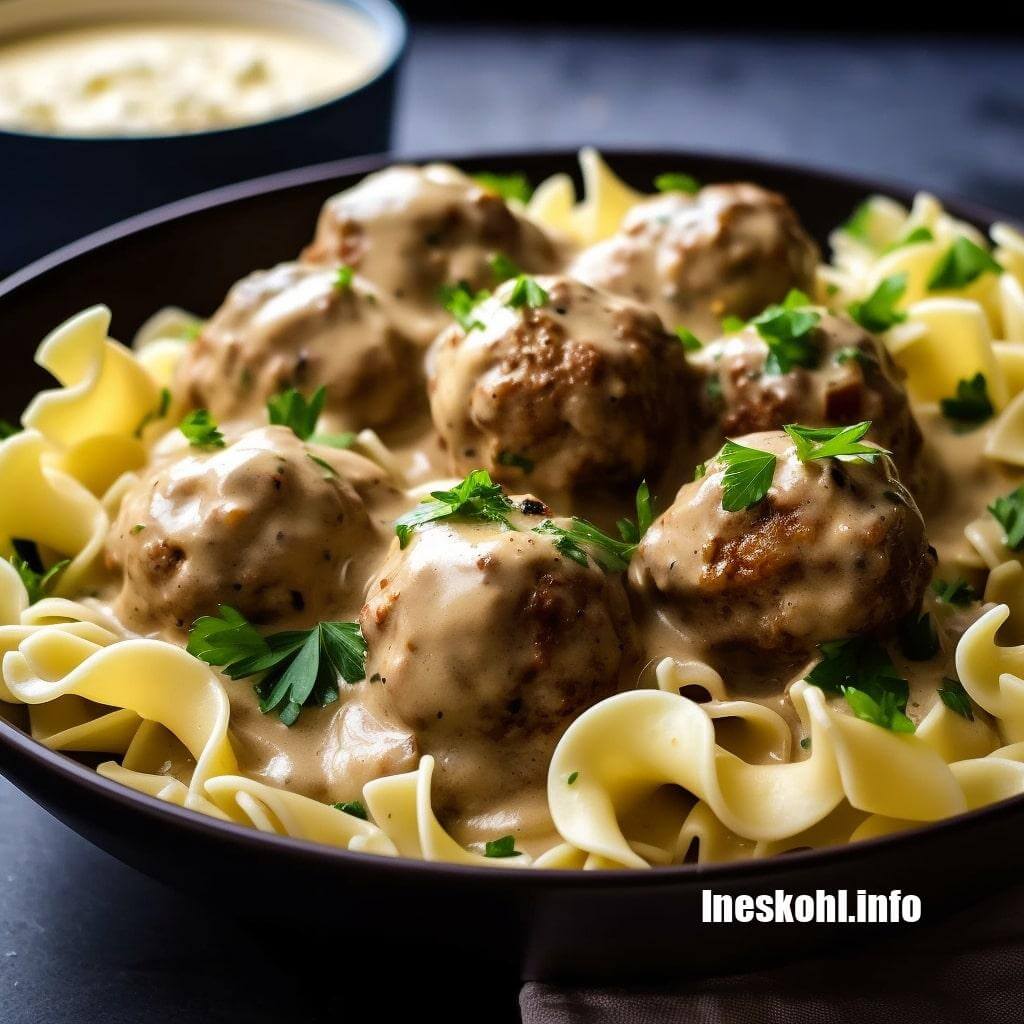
[(84, 939)]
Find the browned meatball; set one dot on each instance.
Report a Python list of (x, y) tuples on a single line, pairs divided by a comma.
[(296, 326), (586, 388), (260, 525), (484, 644), (854, 379), (835, 549), (411, 230), (728, 250)]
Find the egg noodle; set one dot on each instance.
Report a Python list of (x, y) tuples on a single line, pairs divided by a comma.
[(162, 715)]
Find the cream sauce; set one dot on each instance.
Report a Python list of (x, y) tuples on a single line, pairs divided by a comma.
[(171, 77)]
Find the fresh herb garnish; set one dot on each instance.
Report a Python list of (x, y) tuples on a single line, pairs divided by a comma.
[(8, 429), (788, 331), (201, 430), (748, 475), (192, 331), (343, 278), (878, 312), (137, 529), (37, 579), (633, 533), (477, 499), (732, 324), (516, 461), (526, 292), (832, 442), (805, 743), (301, 666), (508, 186), (1009, 513), (850, 353), (162, 406), (571, 780), (700, 471), (919, 234), (954, 696), (676, 182), (290, 409), (970, 405), (610, 554), (957, 592), (962, 263), (690, 341), (918, 638), (883, 710), (503, 268), (343, 440), (460, 302), (329, 472), (353, 807), (503, 847), (859, 223)]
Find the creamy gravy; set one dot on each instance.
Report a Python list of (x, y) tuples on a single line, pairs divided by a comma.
[(169, 77)]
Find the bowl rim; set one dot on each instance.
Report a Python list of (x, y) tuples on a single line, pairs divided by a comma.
[(386, 17), (70, 771)]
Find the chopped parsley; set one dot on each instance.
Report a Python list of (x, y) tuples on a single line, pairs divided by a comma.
[(918, 638), (630, 532), (852, 354), (8, 429), (805, 743), (1009, 513), (526, 292), (859, 224), (915, 237), (503, 847), (961, 264), (676, 182), (689, 340), (508, 186), (571, 780), (788, 330), (37, 579), (162, 406), (192, 331), (201, 430), (971, 405), (460, 302), (516, 461), (700, 471), (956, 592), (503, 268), (832, 442), (748, 475), (299, 668), (343, 278), (610, 554), (861, 670), (732, 324), (137, 529), (477, 499), (878, 312), (290, 409), (343, 440), (353, 807), (954, 696), (328, 470)]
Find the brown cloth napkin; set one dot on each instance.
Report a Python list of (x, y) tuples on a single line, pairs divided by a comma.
[(968, 969)]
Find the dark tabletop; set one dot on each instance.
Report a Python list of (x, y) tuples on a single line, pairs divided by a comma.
[(84, 939)]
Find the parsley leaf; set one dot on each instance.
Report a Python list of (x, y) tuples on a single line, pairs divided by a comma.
[(748, 475), (503, 268), (958, 592), (832, 442), (918, 638), (962, 263), (343, 440), (201, 430), (878, 311), (611, 555), (954, 696), (1009, 513), (788, 331), (162, 405), (526, 292), (343, 278), (290, 409), (508, 186), (503, 847), (37, 579), (732, 324), (918, 235), (571, 780), (516, 461), (476, 499), (690, 341), (676, 182), (850, 353), (883, 710), (301, 666), (192, 331), (8, 429), (460, 302), (630, 532), (970, 405), (353, 807), (859, 223)]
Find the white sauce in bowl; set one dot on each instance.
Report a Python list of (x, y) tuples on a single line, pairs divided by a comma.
[(171, 77)]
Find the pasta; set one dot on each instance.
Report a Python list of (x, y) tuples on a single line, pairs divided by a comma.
[(439, 656)]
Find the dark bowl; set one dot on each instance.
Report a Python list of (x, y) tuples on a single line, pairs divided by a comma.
[(78, 184), (604, 926)]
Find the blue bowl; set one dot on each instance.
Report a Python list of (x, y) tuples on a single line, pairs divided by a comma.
[(59, 187)]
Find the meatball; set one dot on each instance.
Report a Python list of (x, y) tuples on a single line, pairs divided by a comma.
[(303, 327), (584, 388), (855, 379), (836, 549), (267, 525), (728, 250), (485, 644), (411, 230)]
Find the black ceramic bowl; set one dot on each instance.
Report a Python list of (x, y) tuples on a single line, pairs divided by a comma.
[(605, 926), (79, 184)]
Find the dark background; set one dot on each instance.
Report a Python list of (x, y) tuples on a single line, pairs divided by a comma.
[(84, 939)]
